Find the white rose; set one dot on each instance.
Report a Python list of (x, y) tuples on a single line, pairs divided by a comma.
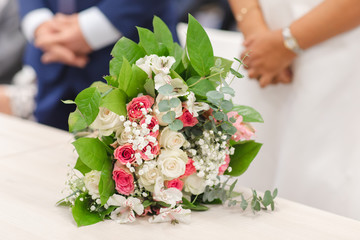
[(170, 139), (194, 184), (149, 177), (106, 122), (123, 137), (172, 163), (91, 181)]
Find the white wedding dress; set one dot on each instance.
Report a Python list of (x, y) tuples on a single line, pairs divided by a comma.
[(311, 134)]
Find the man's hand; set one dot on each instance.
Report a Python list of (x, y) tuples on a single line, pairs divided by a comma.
[(62, 41)]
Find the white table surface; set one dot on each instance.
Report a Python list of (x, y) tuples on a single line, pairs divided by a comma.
[(33, 167)]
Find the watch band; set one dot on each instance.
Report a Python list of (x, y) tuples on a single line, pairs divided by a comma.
[(290, 41)]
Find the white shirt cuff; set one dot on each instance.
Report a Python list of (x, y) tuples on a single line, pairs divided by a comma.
[(33, 20), (98, 31)]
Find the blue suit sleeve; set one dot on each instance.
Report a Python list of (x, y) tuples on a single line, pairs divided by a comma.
[(26, 6), (125, 15)]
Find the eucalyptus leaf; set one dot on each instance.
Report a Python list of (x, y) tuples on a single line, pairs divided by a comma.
[(176, 125), (169, 117), (164, 106), (226, 105), (267, 200), (219, 115), (236, 73), (200, 87), (174, 102), (215, 95), (228, 90), (166, 90)]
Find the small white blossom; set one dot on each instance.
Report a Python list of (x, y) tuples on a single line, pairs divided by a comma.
[(169, 214)]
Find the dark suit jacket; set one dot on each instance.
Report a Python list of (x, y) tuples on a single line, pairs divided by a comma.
[(58, 82)]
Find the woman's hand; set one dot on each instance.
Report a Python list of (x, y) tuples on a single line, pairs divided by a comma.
[(268, 60)]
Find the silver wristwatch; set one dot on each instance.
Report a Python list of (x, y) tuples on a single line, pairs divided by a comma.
[(290, 42)]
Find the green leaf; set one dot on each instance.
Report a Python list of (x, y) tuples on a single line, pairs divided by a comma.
[(148, 41), (91, 152), (106, 212), (149, 87), (169, 117), (68, 101), (176, 125), (106, 184), (275, 192), (232, 186), (82, 167), (244, 154), (219, 115), (88, 102), (223, 68), (114, 67), (200, 87), (244, 204), (174, 102), (186, 204), (128, 49), (76, 121), (115, 101), (137, 82), (81, 211), (226, 105), (101, 86), (164, 106), (125, 75), (146, 203), (162, 33), (249, 114), (166, 90), (177, 52), (111, 81), (199, 48), (236, 73), (215, 95), (228, 90), (267, 200)]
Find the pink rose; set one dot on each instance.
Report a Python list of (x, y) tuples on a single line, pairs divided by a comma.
[(244, 130), (188, 119), (125, 154), (154, 122), (134, 107), (189, 169), (154, 149), (223, 167), (124, 180), (175, 183)]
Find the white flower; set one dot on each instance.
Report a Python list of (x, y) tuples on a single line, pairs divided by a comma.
[(145, 64), (172, 163), (195, 107), (168, 215), (180, 87), (123, 137), (161, 65), (106, 122), (170, 139), (194, 184), (126, 208), (149, 176), (91, 181), (169, 196)]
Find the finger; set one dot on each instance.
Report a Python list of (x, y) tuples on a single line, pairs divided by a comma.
[(252, 73), (265, 80), (61, 54), (248, 41), (45, 41)]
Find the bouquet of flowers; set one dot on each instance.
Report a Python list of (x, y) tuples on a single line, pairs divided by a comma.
[(162, 137)]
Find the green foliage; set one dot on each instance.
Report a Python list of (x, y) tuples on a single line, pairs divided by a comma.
[(236, 73), (81, 211), (195, 206), (149, 43), (91, 152), (88, 102), (106, 184), (243, 156), (128, 49), (166, 90), (199, 48), (76, 121), (200, 86), (115, 101), (82, 167), (149, 87), (249, 114), (176, 125), (162, 33), (137, 82)]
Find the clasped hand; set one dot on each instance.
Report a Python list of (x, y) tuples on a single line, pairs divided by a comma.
[(267, 59), (62, 41)]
